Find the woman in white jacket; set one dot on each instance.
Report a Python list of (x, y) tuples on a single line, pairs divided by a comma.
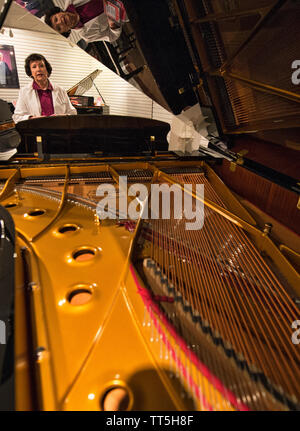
[(41, 98), (87, 18)]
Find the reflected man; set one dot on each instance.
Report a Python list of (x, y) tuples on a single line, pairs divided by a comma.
[(88, 18)]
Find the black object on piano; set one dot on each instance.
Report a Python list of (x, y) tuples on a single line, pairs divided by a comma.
[(9, 137), (79, 101), (92, 134), (85, 105), (7, 295)]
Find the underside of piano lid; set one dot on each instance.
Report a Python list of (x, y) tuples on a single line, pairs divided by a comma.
[(240, 57)]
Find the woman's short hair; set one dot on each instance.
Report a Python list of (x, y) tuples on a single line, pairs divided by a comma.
[(50, 13), (36, 57)]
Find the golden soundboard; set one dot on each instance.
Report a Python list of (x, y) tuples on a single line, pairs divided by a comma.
[(137, 311), (172, 318)]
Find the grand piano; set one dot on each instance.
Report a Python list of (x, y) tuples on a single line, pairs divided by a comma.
[(117, 305), (85, 104)]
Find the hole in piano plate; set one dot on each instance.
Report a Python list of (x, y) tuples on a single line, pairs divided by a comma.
[(36, 213), (10, 205), (83, 255), (116, 399), (79, 296), (68, 228)]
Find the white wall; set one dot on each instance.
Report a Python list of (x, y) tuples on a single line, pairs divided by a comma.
[(71, 64)]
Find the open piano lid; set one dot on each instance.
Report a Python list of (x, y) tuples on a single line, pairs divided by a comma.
[(236, 56), (84, 85), (184, 52)]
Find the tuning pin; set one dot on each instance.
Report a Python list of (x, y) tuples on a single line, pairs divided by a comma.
[(187, 306)]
